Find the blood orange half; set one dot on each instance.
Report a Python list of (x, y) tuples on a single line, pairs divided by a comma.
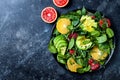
[(60, 3), (49, 14)]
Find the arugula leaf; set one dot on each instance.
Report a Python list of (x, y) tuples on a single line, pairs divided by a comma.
[(67, 56), (90, 14), (83, 53), (79, 57), (104, 26), (71, 43), (104, 47), (70, 16), (98, 15), (75, 22)]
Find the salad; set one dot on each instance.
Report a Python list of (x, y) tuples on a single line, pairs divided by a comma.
[(82, 41)]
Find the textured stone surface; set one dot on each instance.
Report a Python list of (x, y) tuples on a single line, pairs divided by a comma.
[(24, 38)]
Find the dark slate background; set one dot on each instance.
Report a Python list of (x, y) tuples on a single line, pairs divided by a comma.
[(24, 38)]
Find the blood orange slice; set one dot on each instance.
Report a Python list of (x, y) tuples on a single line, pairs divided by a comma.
[(60, 3), (49, 14)]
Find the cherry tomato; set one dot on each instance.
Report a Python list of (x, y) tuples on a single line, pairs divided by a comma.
[(90, 61), (101, 22), (109, 23), (97, 65), (73, 35), (94, 66), (71, 51)]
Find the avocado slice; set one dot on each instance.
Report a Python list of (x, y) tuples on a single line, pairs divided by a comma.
[(83, 43), (62, 50), (60, 43), (57, 38)]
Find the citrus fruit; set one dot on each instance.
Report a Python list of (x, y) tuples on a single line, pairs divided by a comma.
[(60, 3), (62, 24), (49, 14), (97, 54), (72, 65)]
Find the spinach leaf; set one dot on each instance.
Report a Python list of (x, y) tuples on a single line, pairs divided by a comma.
[(67, 16), (83, 70), (80, 70), (73, 13), (51, 47), (102, 62), (71, 43), (86, 69), (95, 33), (109, 32), (111, 44), (79, 61), (78, 12), (102, 38), (84, 11), (70, 27), (61, 59)]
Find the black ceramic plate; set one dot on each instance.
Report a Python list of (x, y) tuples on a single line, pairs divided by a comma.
[(107, 59)]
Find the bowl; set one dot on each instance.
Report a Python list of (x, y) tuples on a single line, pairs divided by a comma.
[(107, 58)]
